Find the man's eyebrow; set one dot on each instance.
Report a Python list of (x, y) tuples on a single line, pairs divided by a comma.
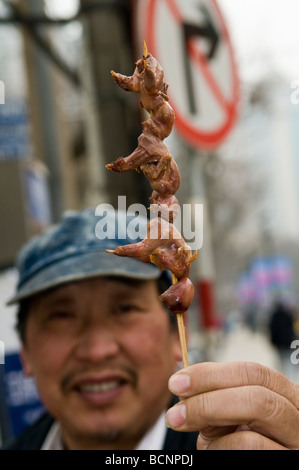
[(134, 283), (57, 298), (63, 299)]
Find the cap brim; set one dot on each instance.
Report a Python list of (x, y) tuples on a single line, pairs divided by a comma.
[(85, 266)]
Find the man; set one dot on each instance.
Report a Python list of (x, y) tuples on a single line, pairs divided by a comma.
[(101, 348), (96, 338)]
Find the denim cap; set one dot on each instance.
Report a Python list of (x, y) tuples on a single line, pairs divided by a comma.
[(74, 250)]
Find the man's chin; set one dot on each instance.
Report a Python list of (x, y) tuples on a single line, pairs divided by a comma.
[(101, 432), (104, 439), (106, 436)]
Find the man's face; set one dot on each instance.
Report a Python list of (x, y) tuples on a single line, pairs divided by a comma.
[(101, 352)]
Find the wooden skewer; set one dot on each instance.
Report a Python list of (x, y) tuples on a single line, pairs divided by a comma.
[(145, 50), (181, 328)]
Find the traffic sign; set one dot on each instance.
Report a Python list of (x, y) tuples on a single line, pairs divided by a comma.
[(191, 41)]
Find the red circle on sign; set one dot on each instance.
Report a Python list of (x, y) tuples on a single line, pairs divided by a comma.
[(195, 136)]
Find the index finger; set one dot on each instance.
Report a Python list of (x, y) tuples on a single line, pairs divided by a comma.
[(208, 376)]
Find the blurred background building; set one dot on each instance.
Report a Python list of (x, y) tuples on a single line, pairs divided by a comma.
[(62, 119)]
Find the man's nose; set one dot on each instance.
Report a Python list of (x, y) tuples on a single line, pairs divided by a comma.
[(97, 343)]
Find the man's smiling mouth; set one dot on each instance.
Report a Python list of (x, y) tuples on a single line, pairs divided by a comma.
[(100, 387)]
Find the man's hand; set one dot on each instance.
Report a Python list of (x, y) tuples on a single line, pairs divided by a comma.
[(238, 405)]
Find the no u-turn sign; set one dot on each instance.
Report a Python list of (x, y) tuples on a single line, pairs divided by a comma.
[(190, 40)]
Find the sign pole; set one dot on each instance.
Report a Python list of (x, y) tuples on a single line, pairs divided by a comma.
[(204, 271)]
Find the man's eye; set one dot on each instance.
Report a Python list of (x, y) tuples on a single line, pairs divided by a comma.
[(127, 308), (61, 315)]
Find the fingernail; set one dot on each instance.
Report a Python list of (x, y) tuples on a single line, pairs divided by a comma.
[(179, 383), (176, 416)]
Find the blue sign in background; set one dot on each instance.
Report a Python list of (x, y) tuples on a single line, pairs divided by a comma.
[(14, 130), (22, 402)]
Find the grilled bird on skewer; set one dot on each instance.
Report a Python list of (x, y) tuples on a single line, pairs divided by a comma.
[(164, 246)]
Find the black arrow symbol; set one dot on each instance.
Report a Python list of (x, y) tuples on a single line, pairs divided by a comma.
[(208, 31)]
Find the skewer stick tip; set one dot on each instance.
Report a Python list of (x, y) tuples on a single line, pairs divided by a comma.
[(182, 334), (145, 50), (181, 328)]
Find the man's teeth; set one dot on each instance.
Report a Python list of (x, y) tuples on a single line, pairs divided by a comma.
[(97, 388)]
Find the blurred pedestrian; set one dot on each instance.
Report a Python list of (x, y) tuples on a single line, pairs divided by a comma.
[(282, 334)]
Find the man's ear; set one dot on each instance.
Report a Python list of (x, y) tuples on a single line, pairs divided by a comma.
[(26, 363)]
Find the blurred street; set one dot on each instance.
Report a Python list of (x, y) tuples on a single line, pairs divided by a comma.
[(242, 344)]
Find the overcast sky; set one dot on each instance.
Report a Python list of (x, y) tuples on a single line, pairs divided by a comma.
[(265, 31)]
